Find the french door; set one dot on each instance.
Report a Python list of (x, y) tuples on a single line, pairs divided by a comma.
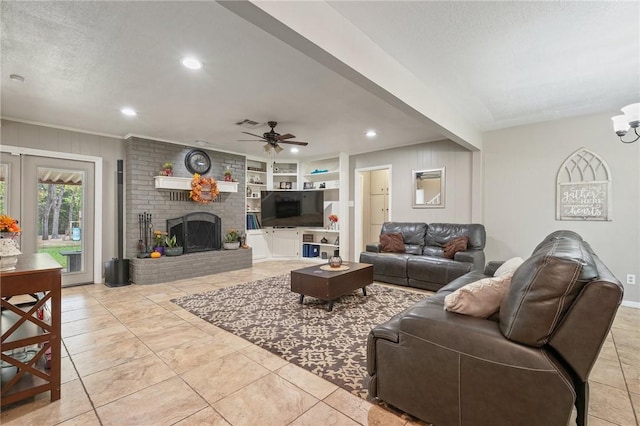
[(54, 201)]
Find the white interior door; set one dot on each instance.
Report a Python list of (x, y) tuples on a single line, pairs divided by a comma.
[(58, 204)]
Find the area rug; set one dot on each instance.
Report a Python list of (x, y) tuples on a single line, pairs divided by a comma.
[(329, 344)]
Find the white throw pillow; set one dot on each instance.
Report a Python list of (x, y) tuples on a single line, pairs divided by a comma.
[(480, 298), (509, 267)]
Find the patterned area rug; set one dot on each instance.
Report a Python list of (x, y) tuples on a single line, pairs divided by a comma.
[(329, 344)]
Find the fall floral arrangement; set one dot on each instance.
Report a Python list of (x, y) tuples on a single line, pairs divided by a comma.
[(167, 169), (9, 224), (159, 238), (203, 189)]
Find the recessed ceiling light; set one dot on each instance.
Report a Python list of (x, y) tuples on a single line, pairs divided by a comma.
[(191, 63), (129, 112), (16, 77), (294, 150), (371, 133)]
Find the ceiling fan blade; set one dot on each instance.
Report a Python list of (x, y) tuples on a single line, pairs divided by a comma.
[(250, 140), (257, 136), (285, 136), (295, 143)]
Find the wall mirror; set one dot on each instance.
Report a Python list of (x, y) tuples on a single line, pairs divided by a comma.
[(428, 188)]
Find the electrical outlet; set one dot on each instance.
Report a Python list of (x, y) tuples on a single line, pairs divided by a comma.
[(631, 279)]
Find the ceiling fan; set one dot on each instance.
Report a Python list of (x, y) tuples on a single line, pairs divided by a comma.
[(272, 138)]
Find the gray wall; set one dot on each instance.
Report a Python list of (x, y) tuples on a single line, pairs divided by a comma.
[(520, 167), (51, 139), (144, 161), (459, 181)]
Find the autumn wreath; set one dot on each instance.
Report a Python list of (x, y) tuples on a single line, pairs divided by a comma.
[(203, 189)]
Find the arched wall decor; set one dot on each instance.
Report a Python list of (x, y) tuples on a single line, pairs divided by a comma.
[(583, 187)]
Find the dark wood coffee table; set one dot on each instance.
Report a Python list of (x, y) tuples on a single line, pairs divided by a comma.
[(330, 285)]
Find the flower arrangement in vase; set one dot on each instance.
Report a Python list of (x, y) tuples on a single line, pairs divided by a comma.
[(158, 241), (333, 221), (171, 246), (9, 251), (167, 169), (227, 175)]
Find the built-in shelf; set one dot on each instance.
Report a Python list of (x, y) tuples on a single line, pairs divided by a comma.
[(323, 176), (184, 184)]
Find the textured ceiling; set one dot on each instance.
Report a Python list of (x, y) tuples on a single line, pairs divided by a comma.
[(501, 64)]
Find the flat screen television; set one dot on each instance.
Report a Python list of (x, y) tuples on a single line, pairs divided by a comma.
[(292, 208)]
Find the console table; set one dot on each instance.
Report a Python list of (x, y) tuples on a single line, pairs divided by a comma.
[(30, 326)]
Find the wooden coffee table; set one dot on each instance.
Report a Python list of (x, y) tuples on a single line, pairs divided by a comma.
[(330, 285)]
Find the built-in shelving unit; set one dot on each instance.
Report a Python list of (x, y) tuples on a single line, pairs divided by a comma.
[(329, 175)]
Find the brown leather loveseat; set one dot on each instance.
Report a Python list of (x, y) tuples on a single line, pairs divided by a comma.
[(526, 365)]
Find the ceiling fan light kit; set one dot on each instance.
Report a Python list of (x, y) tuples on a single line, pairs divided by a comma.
[(630, 119), (273, 139)]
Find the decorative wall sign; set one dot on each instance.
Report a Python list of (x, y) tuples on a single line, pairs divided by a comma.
[(583, 190)]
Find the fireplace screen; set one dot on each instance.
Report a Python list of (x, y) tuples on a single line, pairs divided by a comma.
[(200, 231)]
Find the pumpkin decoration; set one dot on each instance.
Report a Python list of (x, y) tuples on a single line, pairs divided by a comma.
[(155, 255)]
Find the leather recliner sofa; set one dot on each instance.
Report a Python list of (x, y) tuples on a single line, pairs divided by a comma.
[(423, 264), (527, 365)]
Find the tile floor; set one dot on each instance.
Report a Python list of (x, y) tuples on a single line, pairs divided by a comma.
[(131, 357)]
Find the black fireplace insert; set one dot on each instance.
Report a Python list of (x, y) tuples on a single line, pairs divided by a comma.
[(199, 231)]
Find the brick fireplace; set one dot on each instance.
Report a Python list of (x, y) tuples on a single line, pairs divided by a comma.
[(144, 159)]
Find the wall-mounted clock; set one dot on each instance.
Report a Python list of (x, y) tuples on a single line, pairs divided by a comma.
[(197, 161)]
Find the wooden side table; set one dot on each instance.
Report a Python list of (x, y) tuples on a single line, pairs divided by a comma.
[(27, 335)]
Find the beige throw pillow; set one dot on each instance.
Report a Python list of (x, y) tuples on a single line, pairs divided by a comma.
[(480, 298), (509, 267)]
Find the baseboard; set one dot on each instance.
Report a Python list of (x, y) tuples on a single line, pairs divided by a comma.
[(631, 304)]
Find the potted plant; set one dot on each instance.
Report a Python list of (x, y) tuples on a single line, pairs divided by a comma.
[(227, 175), (171, 246), (231, 240), (158, 241)]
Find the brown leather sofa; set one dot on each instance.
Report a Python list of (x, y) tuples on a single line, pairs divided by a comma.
[(527, 365), (423, 264)]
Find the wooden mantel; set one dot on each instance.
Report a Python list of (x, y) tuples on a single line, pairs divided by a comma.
[(184, 184)]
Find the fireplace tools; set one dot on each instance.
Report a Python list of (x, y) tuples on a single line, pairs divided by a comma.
[(145, 237)]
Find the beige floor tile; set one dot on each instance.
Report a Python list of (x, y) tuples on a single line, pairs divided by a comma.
[(85, 325), (68, 372), (169, 306), (271, 398), (350, 405), (594, 421), (109, 385), (609, 373), (96, 339), (78, 301), (138, 313), (321, 413), (307, 381), (635, 401), (154, 324), (41, 411), (106, 357), (378, 416), (608, 351), (207, 416), (263, 357), (629, 355), (88, 312), (224, 376), (632, 377), (611, 404), (164, 403), (86, 419), (194, 354), (172, 336)]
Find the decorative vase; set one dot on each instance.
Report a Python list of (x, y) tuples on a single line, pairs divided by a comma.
[(159, 249), (227, 178), (8, 254), (173, 251), (231, 246), (335, 261)]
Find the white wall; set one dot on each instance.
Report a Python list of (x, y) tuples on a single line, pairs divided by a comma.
[(520, 166), (459, 186)]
